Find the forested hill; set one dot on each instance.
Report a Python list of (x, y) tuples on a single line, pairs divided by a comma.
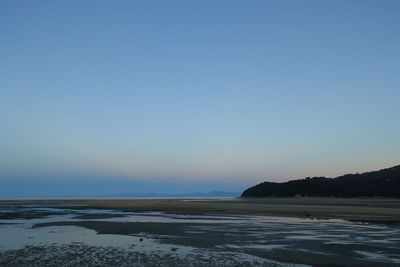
[(382, 183)]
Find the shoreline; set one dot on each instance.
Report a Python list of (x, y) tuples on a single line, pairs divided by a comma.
[(371, 210)]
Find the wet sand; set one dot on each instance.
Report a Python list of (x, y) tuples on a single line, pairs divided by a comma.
[(361, 209), (200, 232)]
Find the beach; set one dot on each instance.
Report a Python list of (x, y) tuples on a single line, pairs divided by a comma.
[(200, 232), (363, 209)]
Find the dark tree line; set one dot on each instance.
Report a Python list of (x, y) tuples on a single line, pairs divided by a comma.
[(382, 183)]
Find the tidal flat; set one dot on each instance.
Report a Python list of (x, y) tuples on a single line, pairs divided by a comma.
[(200, 232)]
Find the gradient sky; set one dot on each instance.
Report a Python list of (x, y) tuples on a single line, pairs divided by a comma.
[(173, 96)]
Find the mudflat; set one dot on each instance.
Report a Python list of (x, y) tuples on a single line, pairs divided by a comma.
[(363, 209), (200, 232)]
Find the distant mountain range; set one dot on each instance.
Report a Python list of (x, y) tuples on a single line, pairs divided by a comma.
[(382, 183), (188, 195)]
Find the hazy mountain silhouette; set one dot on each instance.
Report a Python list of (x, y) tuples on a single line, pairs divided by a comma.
[(382, 183), (194, 194)]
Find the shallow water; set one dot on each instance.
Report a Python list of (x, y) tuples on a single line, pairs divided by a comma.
[(193, 240)]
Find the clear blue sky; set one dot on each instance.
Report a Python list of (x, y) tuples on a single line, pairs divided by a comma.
[(175, 96)]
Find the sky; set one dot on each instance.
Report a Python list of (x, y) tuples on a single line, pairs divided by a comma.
[(184, 96)]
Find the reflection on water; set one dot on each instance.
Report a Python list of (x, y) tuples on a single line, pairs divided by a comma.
[(17, 237), (253, 240)]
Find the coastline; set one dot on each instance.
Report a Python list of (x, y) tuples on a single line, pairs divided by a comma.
[(358, 209)]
